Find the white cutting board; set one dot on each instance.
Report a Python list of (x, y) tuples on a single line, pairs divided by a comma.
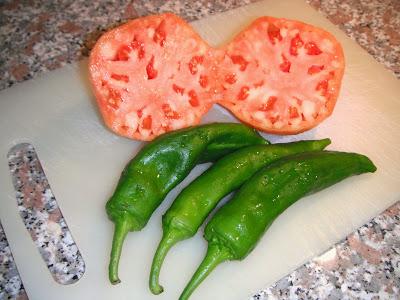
[(83, 161)]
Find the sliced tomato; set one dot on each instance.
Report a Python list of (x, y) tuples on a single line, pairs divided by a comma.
[(151, 75), (155, 74), (281, 76)]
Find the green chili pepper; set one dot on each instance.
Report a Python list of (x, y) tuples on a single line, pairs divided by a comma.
[(236, 228), (159, 167), (199, 198)]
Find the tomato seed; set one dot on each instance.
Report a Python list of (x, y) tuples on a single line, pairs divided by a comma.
[(135, 44), (151, 72), (146, 123), (114, 94), (203, 81), (323, 87), (123, 53), (178, 89), (239, 60), (270, 104), (160, 34), (285, 66), (244, 93), (168, 112), (166, 128), (230, 78), (115, 98), (273, 119), (193, 99), (192, 68), (195, 60), (295, 44), (312, 49), (274, 33), (293, 112), (315, 69), (119, 77)]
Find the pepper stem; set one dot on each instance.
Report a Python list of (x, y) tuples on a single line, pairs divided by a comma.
[(216, 254), (170, 238), (122, 228)]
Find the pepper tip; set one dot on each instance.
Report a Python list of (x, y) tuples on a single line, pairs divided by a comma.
[(115, 281), (156, 289)]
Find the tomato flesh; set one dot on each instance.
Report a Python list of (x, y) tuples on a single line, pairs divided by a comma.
[(155, 74)]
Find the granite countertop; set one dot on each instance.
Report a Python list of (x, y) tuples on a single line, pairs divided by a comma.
[(39, 36)]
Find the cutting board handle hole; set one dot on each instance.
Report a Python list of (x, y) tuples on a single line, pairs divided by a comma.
[(42, 216)]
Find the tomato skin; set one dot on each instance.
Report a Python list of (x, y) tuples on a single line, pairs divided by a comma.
[(155, 74)]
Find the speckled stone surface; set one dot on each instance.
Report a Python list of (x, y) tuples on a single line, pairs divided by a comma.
[(374, 25), (38, 36), (189, 10), (366, 265), (11, 286), (42, 217)]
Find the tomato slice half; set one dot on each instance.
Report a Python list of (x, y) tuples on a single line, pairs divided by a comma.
[(151, 75), (281, 76)]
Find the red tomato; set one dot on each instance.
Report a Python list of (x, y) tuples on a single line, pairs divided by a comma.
[(155, 74), (281, 76), (151, 75)]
